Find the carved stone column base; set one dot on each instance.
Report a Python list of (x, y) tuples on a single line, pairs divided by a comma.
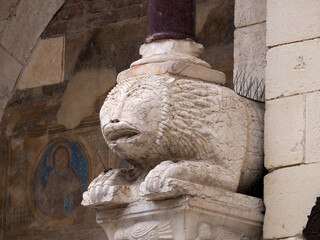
[(186, 218)]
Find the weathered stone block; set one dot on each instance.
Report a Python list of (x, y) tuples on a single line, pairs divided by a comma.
[(292, 20), (55, 29), (23, 31), (69, 12), (125, 3), (9, 72), (135, 11), (2, 24), (97, 6), (290, 193), (7, 8), (312, 127), (3, 104), (249, 12), (215, 30), (250, 54), (108, 17), (292, 69), (45, 65), (284, 132)]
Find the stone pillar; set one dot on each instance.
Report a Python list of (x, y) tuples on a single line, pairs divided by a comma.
[(195, 146), (250, 48), (292, 126), (169, 19)]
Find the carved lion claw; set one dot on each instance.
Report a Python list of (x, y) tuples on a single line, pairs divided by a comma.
[(104, 187), (160, 182)]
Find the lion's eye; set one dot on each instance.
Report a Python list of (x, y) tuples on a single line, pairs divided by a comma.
[(115, 96)]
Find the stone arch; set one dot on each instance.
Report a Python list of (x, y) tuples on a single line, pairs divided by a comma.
[(21, 25)]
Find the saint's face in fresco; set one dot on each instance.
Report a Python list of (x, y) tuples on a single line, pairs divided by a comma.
[(61, 160)]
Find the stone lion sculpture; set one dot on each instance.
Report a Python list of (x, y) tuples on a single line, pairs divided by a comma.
[(180, 133)]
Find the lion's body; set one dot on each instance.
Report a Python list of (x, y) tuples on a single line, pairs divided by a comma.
[(197, 121)]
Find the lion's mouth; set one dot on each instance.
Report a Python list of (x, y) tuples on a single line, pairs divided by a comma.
[(121, 132)]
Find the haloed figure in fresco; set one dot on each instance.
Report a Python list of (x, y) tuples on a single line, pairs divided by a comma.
[(62, 191)]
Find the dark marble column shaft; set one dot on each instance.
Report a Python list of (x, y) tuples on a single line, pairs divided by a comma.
[(171, 19)]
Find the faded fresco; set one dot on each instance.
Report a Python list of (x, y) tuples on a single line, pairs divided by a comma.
[(61, 178)]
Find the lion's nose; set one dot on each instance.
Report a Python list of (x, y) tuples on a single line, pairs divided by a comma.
[(114, 121)]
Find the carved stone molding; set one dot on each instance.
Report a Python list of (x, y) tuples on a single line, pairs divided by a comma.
[(149, 230), (206, 231), (235, 217)]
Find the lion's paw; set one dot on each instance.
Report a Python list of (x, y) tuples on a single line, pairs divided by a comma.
[(104, 186), (98, 187), (160, 182)]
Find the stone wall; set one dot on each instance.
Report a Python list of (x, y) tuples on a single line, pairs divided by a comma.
[(64, 58), (31, 129), (292, 132), (115, 21), (250, 48)]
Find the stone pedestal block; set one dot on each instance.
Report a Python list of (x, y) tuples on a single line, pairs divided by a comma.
[(290, 193), (293, 69), (185, 218), (285, 116), (250, 61)]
